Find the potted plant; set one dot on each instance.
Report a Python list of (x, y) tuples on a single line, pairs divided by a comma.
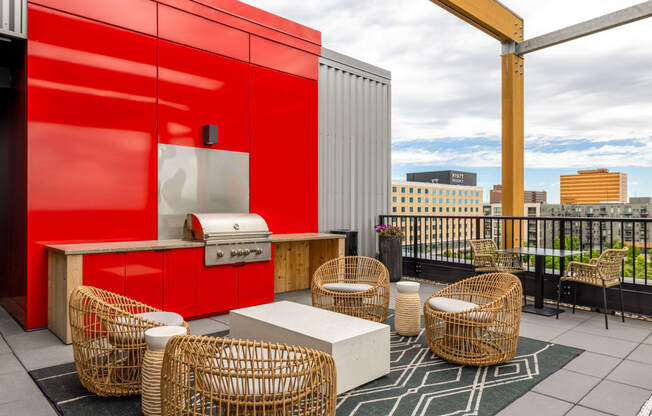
[(390, 238)]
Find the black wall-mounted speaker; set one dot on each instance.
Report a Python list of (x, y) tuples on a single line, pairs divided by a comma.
[(210, 134)]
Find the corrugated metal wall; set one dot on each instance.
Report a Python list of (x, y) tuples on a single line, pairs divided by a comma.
[(354, 146), (13, 18)]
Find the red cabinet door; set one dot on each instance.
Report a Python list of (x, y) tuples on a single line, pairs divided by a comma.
[(283, 152), (144, 277), (255, 284), (180, 269), (197, 88), (105, 271), (217, 289)]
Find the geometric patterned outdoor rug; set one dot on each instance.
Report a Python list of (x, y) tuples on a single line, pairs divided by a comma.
[(419, 383)]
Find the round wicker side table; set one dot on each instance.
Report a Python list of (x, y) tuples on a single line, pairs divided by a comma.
[(156, 338), (407, 318)]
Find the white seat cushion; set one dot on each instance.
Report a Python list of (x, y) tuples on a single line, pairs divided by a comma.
[(124, 329), (167, 318), (455, 306), (219, 376), (347, 287), (407, 287)]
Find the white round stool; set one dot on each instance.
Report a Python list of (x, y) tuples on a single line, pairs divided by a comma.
[(156, 338), (407, 317)]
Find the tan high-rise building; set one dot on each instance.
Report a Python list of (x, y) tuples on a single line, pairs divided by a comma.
[(593, 186)]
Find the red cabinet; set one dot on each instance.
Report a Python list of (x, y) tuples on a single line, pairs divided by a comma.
[(105, 271), (180, 272), (198, 88), (284, 124), (144, 277), (255, 284), (217, 288)]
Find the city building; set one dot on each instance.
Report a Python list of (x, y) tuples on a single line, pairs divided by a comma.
[(446, 177), (604, 229), (496, 195), (530, 232), (593, 186), (417, 198), (436, 199)]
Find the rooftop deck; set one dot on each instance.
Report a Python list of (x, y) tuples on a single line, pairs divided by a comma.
[(612, 376)]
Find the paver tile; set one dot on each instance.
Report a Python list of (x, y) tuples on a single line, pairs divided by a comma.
[(642, 353), (567, 385), (596, 343), (534, 404), (616, 398), (633, 373), (593, 364)]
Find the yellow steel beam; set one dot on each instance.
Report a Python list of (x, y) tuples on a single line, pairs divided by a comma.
[(512, 158), (489, 16)]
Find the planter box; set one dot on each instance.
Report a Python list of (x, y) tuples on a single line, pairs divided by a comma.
[(391, 256)]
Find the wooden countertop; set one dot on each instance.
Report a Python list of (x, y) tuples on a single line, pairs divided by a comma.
[(125, 246), (286, 238), (121, 247)]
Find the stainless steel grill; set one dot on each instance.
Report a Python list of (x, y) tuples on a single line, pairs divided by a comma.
[(230, 238)]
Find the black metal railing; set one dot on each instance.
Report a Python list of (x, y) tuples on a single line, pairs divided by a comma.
[(445, 239)]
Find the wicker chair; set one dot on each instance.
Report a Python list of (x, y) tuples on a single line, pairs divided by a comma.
[(356, 286), (108, 340), (219, 376), (603, 271), (475, 321), (486, 259)]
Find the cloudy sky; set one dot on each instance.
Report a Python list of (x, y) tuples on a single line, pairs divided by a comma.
[(588, 103)]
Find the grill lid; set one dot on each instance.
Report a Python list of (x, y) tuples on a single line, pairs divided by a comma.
[(212, 226)]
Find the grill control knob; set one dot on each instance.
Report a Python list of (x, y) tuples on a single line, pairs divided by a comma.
[(245, 252), (220, 253), (259, 251), (234, 253)]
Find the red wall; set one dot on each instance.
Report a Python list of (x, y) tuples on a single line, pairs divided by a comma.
[(102, 90)]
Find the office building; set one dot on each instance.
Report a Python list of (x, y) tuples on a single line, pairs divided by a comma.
[(445, 177), (415, 198), (593, 186), (435, 199), (535, 197)]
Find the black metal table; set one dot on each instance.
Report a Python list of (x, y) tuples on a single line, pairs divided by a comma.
[(540, 255)]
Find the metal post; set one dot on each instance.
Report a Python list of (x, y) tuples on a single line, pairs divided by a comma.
[(562, 245)]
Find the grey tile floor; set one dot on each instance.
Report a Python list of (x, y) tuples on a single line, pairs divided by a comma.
[(612, 377)]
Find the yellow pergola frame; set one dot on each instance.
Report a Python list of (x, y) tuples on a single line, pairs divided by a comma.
[(498, 21), (502, 24)]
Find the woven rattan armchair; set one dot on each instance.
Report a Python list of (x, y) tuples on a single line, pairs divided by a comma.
[(603, 271), (354, 285), (220, 376), (475, 321), (108, 340), (487, 259)]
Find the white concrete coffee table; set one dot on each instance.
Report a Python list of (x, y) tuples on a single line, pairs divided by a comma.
[(359, 347)]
